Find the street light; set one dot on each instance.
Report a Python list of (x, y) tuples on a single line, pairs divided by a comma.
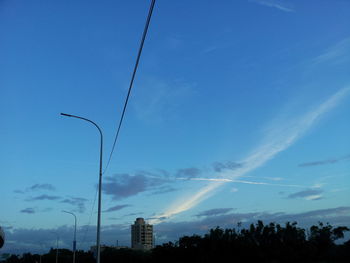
[(57, 237), (99, 184), (41, 252), (75, 233)]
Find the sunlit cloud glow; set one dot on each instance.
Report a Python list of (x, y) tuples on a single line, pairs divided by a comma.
[(275, 142)]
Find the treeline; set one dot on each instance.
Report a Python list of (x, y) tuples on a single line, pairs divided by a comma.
[(258, 243)]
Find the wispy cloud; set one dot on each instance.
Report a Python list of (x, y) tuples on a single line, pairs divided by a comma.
[(188, 172), (163, 190), (43, 197), (36, 187), (262, 177), (313, 197), (220, 166), (175, 42), (161, 99), (283, 6), (31, 210), (323, 162), (274, 143), (188, 203), (338, 53), (308, 194), (78, 202), (116, 208), (226, 180), (214, 212), (28, 210), (217, 46)]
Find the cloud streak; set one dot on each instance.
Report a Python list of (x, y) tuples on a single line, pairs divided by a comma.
[(225, 180), (219, 166), (214, 212), (188, 172), (323, 162), (308, 194), (44, 197), (276, 141), (37, 187), (115, 208), (28, 210), (337, 54), (274, 4)]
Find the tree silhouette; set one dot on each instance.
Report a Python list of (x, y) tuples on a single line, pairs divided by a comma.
[(257, 243)]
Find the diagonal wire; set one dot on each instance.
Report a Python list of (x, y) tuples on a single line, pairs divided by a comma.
[(125, 104), (89, 222), (132, 80)]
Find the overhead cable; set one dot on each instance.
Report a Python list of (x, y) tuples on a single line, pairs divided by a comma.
[(131, 81)]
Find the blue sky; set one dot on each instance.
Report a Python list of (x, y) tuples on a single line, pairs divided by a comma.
[(239, 112)]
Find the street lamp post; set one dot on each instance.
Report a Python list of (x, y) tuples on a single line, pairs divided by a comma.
[(57, 237), (99, 184), (41, 252), (57, 249), (75, 233)]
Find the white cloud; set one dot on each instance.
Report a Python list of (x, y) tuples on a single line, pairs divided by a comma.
[(274, 143), (186, 204), (313, 197), (318, 185), (267, 178), (160, 100), (336, 54), (225, 180), (274, 4), (234, 190)]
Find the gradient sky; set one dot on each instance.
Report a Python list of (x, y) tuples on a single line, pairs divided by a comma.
[(239, 112)]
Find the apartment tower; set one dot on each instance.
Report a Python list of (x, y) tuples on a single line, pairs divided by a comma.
[(141, 234)]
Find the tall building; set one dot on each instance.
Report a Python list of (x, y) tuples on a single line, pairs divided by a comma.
[(141, 234)]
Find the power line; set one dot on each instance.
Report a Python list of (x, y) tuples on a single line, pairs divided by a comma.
[(132, 80), (89, 222)]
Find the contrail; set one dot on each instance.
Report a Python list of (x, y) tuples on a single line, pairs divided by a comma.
[(275, 142), (225, 180)]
